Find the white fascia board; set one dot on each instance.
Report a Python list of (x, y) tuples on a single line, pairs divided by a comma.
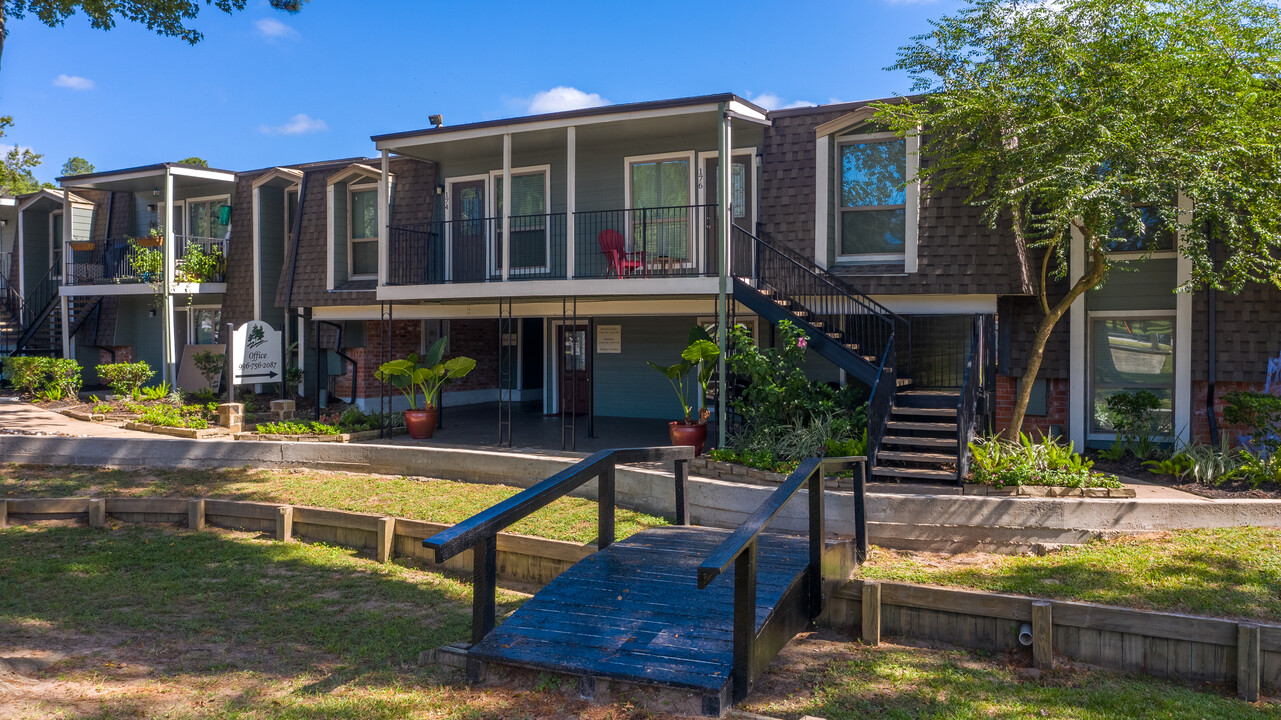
[(747, 111), (288, 174), (436, 138), (629, 287), (8, 202), (202, 174), (106, 290), (544, 308), (938, 304)]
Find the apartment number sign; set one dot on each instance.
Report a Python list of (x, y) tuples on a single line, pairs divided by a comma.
[(609, 339)]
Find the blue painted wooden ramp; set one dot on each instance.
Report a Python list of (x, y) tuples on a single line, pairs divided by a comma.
[(692, 608)]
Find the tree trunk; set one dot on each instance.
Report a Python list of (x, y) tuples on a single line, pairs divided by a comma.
[(1050, 317)]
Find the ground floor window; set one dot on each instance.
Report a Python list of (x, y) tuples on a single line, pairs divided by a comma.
[(1130, 352)]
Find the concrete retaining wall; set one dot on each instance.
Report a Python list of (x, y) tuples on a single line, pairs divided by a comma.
[(895, 520)]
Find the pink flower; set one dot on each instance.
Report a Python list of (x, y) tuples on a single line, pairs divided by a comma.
[(801, 342)]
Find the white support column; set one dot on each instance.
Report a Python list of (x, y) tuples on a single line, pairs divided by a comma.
[(68, 216), (65, 308), (384, 219), (913, 200), (170, 371), (1183, 334), (257, 233), (1078, 383), (821, 171), (22, 258), (724, 218), (571, 197), (507, 205)]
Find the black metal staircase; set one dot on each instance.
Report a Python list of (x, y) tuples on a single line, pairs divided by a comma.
[(913, 433)]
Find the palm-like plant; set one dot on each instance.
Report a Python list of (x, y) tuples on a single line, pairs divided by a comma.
[(413, 377), (700, 354)]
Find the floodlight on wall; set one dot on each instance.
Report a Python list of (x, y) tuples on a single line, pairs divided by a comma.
[(436, 120)]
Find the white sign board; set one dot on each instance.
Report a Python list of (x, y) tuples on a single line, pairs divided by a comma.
[(609, 339), (255, 354)]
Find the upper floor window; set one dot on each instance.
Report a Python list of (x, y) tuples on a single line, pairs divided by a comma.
[(872, 221), (363, 231), (1151, 234)]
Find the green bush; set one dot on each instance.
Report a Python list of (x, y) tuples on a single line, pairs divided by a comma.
[(124, 379), (180, 416), (1204, 464), (66, 376), (1133, 416), (296, 428), (1260, 413), (46, 378), (28, 374), (1002, 463)]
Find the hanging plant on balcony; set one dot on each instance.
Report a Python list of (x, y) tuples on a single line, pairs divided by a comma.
[(146, 263), (82, 245), (153, 239)]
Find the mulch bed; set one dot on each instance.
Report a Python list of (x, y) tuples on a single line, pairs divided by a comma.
[(1233, 490)]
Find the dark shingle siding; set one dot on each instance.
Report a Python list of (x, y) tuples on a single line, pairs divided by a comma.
[(238, 302), (1247, 334), (957, 253)]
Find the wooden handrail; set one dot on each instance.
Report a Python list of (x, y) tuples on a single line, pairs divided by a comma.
[(739, 550)]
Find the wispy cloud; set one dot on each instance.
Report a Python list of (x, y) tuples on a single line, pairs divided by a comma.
[(273, 29), (300, 124), (74, 82), (771, 101), (561, 98)]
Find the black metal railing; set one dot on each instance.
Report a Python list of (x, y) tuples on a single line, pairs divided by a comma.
[(675, 241), (739, 551), (141, 260), (35, 304), (939, 350), (479, 533), (467, 251), (200, 259), (967, 404), (881, 400), (861, 323)]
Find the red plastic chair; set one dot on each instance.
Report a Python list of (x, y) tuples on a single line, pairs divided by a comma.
[(621, 264)]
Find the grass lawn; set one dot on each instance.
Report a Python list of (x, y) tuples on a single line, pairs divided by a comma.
[(821, 675), (417, 498), (145, 621), (1230, 572)]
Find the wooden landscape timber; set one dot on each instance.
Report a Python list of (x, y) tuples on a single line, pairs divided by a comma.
[(1167, 645)]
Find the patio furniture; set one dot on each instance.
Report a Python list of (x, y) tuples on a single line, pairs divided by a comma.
[(621, 264)]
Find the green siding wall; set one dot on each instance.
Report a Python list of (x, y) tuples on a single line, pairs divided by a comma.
[(339, 220), (1137, 285), (35, 239), (145, 334), (271, 251), (81, 223), (624, 385), (144, 219)]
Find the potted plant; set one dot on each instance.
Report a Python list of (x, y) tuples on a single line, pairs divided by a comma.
[(153, 239), (146, 263), (427, 377), (700, 356)]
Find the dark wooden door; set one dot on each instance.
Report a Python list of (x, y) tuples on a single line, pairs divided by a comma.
[(574, 364), (742, 189), (467, 230)]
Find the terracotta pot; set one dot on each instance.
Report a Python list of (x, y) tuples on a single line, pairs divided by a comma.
[(688, 432), (150, 241), (421, 423)]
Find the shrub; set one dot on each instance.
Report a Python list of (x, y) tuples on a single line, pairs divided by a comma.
[(1133, 416), (124, 379), (159, 392), (1001, 463), (295, 427), (184, 416), (28, 374), (1204, 464), (210, 365), (66, 376), (1261, 414)]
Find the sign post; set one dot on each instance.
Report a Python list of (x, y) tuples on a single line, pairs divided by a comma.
[(255, 354)]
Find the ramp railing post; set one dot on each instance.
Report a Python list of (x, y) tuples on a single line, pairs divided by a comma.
[(744, 620), (605, 506), (860, 510), (682, 485), (484, 578), (817, 529)]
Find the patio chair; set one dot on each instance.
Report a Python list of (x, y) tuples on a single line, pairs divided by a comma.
[(621, 264)]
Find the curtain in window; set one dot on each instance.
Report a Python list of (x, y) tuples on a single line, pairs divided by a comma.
[(660, 202)]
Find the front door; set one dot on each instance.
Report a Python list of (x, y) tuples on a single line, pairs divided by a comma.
[(575, 368), (741, 191), (467, 233)]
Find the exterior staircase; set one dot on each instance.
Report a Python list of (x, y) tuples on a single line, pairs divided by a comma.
[(915, 434)]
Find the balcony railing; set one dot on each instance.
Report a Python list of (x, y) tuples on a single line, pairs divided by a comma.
[(112, 261), (628, 243)]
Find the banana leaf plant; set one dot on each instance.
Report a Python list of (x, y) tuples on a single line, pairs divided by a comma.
[(700, 354), (413, 377)]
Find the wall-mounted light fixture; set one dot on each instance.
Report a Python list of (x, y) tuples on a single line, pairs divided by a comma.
[(151, 207), (440, 189), (155, 192), (4, 223)]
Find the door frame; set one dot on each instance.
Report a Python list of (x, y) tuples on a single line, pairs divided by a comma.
[(552, 349), (482, 178), (491, 209), (754, 167), (1090, 317)]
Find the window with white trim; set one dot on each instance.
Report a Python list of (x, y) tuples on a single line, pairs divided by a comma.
[(872, 202), (362, 231)]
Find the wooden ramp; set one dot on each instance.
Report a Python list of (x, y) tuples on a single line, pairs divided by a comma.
[(696, 609)]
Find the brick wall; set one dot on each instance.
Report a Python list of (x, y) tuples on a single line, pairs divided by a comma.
[(1056, 406), (1200, 418), (124, 354), (477, 339)]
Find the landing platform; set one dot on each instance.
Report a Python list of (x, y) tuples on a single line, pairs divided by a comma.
[(633, 612)]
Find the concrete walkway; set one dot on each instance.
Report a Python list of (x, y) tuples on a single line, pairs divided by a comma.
[(20, 418)]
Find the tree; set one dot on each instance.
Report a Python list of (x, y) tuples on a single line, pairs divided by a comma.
[(1086, 120), (15, 169), (193, 160), (164, 17), (76, 166)]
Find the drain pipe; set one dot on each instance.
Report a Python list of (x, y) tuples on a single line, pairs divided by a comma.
[(1025, 635)]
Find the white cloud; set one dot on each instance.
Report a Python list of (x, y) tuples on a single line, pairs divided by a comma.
[(561, 98), (74, 82), (273, 29), (771, 101), (300, 124)]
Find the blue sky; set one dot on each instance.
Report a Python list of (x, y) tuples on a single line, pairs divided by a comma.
[(266, 88)]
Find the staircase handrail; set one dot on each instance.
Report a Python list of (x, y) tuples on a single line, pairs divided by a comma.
[(739, 551), (967, 402), (43, 292), (479, 532), (766, 241), (881, 399)]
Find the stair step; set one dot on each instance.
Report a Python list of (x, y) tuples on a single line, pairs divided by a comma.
[(923, 426), (920, 457), (913, 473), (925, 442), (931, 412)]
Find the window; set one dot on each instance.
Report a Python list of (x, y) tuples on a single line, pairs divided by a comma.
[(1130, 353), (872, 200), (1155, 234), (205, 219), (363, 232), (660, 202), (529, 245)]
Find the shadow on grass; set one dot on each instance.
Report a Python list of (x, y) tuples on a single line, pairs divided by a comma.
[(219, 608)]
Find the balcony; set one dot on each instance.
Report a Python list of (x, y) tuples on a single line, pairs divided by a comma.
[(624, 244), (136, 261)]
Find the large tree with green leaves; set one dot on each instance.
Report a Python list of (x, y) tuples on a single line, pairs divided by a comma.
[(164, 17), (16, 177), (77, 165), (1087, 121)]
